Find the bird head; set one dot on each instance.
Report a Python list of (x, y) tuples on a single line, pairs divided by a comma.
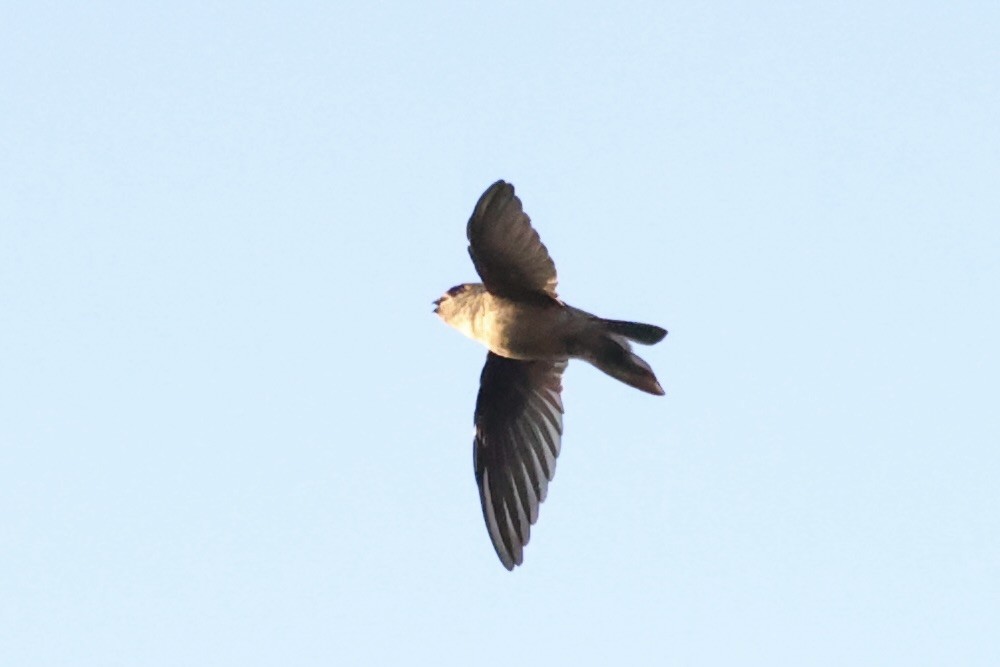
[(452, 301)]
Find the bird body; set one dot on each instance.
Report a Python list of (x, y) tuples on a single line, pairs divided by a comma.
[(537, 329), (548, 330), (531, 334)]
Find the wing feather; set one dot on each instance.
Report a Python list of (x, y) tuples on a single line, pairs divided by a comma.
[(506, 250), (518, 433)]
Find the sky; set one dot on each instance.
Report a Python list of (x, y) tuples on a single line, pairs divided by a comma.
[(232, 431)]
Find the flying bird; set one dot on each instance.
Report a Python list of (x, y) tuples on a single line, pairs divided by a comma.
[(531, 335)]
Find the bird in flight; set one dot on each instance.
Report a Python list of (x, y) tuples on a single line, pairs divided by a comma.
[(531, 335)]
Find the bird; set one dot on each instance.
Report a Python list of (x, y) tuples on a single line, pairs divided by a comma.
[(531, 335)]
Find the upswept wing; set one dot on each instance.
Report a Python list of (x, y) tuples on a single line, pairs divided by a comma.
[(506, 250)]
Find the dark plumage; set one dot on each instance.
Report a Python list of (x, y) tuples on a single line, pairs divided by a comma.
[(531, 336)]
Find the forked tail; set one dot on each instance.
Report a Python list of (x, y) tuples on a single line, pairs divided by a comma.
[(647, 334), (614, 356)]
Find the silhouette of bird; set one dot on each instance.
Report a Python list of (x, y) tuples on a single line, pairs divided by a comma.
[(531, 335)]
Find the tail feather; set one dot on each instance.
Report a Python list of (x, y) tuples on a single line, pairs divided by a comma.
[(647, 334), (614, 356)]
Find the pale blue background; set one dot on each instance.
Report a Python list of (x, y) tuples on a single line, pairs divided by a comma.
[(233, 432)]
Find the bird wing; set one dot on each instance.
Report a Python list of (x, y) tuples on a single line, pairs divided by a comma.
[(518, 431), (506, 250)]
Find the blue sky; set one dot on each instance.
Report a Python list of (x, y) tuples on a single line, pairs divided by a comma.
[(232, 432)]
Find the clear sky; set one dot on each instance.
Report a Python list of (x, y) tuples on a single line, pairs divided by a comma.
[(232, 432)]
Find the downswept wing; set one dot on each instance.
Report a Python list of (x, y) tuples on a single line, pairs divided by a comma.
[(508, 254), (518, 432)]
